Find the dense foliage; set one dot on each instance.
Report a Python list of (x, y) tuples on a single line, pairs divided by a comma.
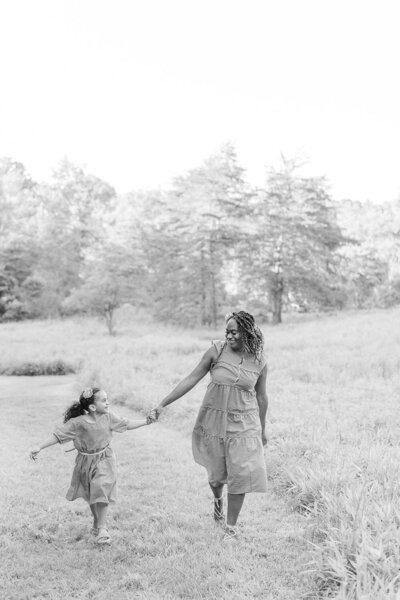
[(190, 252)]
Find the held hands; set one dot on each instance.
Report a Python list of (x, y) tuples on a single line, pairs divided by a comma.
[(154, 415)]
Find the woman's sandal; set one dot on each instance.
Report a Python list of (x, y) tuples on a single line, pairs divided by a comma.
[(231, 534), (103, 537), (94, 531), (219, 516)]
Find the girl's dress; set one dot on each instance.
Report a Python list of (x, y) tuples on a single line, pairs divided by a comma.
[(227, 434), (94, 475)]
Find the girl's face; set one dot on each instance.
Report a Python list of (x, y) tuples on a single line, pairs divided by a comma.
[(101, 403), (233, 335)]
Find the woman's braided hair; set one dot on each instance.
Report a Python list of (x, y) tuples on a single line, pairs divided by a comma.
[(253, 339)]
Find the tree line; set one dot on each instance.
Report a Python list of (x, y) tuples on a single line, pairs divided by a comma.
[(187, 253)]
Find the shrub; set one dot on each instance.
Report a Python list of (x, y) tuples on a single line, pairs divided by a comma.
[(57, 367)]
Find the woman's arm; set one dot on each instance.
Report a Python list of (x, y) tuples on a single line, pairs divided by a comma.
[(262, 400), (49, 442), (190, 380)]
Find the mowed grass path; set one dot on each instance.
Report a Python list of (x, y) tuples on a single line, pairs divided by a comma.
[(165, 544)]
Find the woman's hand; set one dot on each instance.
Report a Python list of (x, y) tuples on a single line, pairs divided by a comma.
[(264, 439), (155, 413), (33, 453)]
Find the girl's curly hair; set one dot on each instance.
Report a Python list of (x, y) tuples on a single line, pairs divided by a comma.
[(253, 339), (81, 407)]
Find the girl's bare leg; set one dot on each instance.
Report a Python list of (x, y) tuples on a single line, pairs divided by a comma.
[(95, 517), (102, 510)]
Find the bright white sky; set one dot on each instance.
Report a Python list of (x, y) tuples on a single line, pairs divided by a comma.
[(139, 91)]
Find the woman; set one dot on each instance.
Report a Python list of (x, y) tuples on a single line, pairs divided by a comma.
[(229, 433)]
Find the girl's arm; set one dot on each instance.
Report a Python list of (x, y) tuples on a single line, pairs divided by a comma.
[(190, 380), (135, 423), (49, 442), (262, 401)]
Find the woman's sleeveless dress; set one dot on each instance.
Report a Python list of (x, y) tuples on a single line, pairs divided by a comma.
[(227, 433)]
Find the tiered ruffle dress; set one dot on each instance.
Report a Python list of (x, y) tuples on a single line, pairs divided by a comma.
[(94, 475), (227, 434)]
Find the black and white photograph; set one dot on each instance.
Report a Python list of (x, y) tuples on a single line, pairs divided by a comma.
[(199, 300)]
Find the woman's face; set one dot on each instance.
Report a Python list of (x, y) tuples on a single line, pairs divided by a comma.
[(233, 335)]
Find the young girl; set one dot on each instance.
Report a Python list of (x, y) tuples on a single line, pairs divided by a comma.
[(90, 425)]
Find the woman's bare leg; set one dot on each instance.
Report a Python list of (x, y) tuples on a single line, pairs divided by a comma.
[(235, 503), (217, 489), (218, 504)]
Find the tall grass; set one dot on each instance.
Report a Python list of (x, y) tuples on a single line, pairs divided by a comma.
[(333, 422)]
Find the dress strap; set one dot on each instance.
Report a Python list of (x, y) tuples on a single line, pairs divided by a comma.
[(219, 345)]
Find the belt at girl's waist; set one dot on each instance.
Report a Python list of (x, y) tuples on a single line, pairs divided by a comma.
[(89, 453)]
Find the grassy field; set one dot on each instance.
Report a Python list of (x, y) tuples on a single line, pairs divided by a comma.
[(165, 544), (333, 462)]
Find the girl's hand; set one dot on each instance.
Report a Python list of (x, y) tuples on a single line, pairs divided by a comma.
[(33, 454), (264, 439), (155, 413)]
